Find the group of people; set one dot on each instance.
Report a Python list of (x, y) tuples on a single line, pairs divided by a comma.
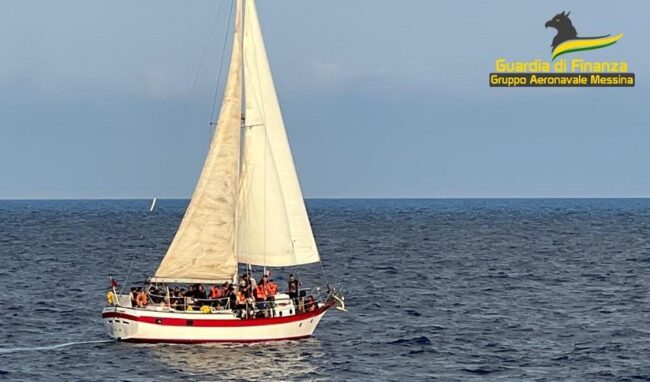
[(241, 297)]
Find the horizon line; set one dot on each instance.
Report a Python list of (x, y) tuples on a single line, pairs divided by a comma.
[(348, 198)]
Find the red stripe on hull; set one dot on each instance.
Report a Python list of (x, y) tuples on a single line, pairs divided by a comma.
[(202, 322), (177, 341)]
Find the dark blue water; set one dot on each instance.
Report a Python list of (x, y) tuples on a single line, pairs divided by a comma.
[(461, 290)]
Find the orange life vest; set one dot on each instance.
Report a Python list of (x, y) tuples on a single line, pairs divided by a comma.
[(241, 299), (271, 288), (215, 293), (260, 291), (141, 299)]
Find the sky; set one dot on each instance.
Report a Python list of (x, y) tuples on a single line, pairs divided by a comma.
[(385, 99)]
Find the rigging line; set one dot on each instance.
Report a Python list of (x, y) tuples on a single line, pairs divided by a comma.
[(128, 272), (189, 96), (324, 276), (177, 132), (135, 252), (126, 229), (213, 108)]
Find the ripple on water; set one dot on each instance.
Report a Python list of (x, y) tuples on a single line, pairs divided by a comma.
[(437, 289), (422, 340)]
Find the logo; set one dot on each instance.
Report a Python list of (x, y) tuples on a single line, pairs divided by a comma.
[(574, 72), (567, 41)]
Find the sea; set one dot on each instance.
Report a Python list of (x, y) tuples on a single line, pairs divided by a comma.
[(436, 290)]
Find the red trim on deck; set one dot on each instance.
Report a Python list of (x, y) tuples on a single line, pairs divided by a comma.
[(155, 341), (201, 320)]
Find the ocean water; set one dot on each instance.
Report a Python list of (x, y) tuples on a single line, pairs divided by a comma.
[(450, 290)]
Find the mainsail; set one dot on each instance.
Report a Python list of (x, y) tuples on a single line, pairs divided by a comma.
[(253, 213), (203, 249), (273, 228)]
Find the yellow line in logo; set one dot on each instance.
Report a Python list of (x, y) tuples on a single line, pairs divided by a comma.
[(577, 45)]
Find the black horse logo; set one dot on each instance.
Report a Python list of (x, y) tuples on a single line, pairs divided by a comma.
[(565, 29)]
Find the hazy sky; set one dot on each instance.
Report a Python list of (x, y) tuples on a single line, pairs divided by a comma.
[(381, 98)]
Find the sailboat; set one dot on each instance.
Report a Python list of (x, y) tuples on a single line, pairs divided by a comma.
[(247, 209)]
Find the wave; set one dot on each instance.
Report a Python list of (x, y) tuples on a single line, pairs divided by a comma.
[(52, 347), (422, 340)]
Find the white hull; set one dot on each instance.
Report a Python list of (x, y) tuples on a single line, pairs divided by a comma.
[(144, 325)]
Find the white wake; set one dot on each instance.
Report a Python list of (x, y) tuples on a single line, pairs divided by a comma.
[(51, 347)]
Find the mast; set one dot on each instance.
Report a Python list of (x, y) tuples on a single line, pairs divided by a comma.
[(243, 142)]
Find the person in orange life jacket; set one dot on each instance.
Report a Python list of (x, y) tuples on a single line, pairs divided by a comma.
[(240, 299), (265, 277), (271, 291), (260, 296), (271, 287), (260, 291), (142, 300), (215, 292), (239, 303)]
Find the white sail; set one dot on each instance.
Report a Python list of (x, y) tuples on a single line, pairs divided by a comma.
[(203, 249), (273, 228)]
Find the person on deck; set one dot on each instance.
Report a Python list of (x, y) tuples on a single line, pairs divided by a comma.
[(155, 294), (215, 292), (199, 292), (134, 295), (271, 287), (310, 304), (141, 300), (260, 291), (245, 285), (232, 296), (294, 285), (260, 296), (240, 303), (224, 288), (252, 281), (214, 295), (271, 291), (175, 302)]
